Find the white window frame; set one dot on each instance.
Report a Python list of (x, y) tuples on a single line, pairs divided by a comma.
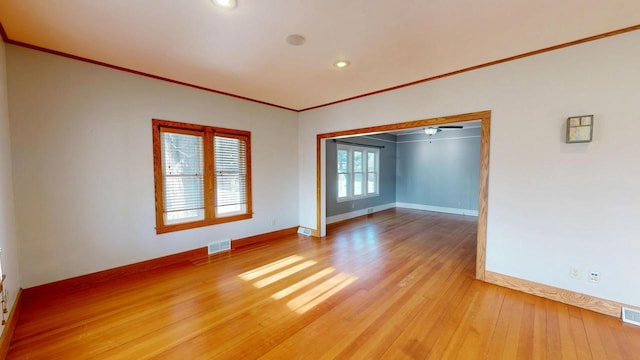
[(351, 173)]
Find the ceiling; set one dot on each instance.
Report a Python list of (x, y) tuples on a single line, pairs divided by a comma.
[(473, 124), (243, 51)]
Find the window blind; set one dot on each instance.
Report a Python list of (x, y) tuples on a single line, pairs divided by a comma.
[(182, 176), (230, 166), (202, 175)]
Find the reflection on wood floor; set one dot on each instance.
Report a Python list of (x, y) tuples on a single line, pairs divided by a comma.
[(398, 284)]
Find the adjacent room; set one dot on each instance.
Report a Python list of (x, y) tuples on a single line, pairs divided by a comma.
[(319, 179), (412, 168)]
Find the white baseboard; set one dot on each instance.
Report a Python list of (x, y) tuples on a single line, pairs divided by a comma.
[(441, 209), (375, 209), (353, 214)]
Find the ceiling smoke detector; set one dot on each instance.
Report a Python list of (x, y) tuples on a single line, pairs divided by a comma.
[(296, 40)]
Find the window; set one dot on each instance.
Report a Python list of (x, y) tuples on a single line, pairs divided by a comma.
[(202, 175), (372, 172), (357, 170)]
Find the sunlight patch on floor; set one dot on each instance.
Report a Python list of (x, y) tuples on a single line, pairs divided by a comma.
[(313, 296), (320, 293), (263, 270), (283, 274), (300, 284)]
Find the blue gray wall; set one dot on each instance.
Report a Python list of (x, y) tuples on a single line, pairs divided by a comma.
[(415, 171), (387, 175), (443, 172)]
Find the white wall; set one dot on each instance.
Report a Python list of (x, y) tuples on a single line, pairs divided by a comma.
[(83, 164), (83, 174), (551, 205), (8, 240)]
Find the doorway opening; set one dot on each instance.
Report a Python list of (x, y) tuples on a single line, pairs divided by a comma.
[(483, 118)]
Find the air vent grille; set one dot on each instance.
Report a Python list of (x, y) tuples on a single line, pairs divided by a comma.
[(219, 246), (631, 316)]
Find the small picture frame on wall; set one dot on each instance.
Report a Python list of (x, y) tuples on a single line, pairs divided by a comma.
[(579, 129)]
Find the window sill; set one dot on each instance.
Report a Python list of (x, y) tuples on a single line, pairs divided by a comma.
[(354, 198), (196, 224)]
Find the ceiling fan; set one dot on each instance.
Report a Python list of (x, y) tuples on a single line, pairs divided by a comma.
[(436, 129)]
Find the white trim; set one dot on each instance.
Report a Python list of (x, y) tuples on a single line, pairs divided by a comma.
[(358, 197), (365, 151), (375, 209), (422, 140), (441, 209), (379, 139), (353, 214), (438, 139)]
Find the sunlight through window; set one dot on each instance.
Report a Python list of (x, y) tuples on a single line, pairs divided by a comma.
[(320, 293), (300, 284), (266, 269), (310, 291), (283, 274)]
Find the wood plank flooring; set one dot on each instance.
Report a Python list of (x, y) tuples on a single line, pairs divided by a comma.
[(398, 284)]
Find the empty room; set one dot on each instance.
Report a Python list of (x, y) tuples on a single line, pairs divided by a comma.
[(319, 179)]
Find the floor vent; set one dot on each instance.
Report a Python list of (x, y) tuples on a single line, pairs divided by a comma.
[(631, 316), (304, 231), (219, 246)]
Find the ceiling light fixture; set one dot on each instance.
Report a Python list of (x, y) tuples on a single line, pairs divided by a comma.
[(225, 4), (341, 64), (430, 131)]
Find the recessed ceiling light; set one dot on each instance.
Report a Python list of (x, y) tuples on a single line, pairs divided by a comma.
[(225, 4), (296, 40), (341, 64)]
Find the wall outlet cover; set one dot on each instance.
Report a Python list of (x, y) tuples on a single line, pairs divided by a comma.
[(574, 272)]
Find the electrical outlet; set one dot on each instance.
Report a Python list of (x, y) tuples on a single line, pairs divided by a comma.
[(574, 272), (594, 276)]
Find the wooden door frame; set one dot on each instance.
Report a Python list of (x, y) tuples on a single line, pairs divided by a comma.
[(485, 134)]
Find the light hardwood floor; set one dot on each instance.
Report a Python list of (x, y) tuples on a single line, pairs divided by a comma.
[(395, 285)]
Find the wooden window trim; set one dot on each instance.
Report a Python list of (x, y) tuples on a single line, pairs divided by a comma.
[(208, 133)]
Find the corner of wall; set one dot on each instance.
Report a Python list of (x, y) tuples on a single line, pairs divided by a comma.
[(8, 232)]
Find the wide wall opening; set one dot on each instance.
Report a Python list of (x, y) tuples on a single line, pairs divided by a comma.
[(438, 164)]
